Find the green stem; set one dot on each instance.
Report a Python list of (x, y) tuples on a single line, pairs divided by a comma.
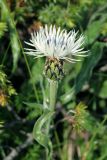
[(53, 91), (5, 54), (58, 143), (52, 98)]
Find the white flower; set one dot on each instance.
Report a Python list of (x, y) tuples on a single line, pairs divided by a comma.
[(56, 43)]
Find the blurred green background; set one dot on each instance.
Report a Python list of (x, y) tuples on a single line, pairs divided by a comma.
[(22, 83)]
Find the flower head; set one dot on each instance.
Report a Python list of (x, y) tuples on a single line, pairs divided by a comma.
[(57, 45)]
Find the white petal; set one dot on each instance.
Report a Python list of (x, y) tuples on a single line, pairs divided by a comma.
[(54, 42)]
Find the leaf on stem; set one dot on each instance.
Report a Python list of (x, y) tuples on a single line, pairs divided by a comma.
[(39, 131)]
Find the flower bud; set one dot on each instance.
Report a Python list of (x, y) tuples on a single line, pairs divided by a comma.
[(54, 69)]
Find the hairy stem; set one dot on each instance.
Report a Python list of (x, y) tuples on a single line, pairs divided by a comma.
[(52, 98), (53, 91)]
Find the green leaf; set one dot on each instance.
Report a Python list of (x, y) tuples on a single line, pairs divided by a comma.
[(3, 28), (15, 47), (103, 90), (85, 72), (6, 16), (34, 109), (68, 96), (39, 131), (88, 66), (93, 31)]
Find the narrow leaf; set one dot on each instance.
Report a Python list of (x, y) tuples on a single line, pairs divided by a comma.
[(88, 66), (36, 109), (39, 131), (6, 16)]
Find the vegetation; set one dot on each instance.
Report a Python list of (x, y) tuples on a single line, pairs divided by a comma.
[(79, 126)]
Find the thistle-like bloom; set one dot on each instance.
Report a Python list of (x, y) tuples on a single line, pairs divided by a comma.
[(57, 46), (54, 43)]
